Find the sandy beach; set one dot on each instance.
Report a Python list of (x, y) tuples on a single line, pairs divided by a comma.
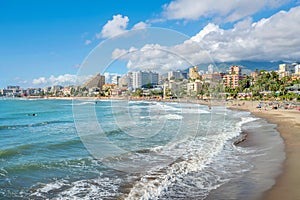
[(288, 124)]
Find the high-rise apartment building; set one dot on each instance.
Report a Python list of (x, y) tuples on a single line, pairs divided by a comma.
[(286, 70), (177, 75), (142, 79), (210, 69), (297, 69), (193, 73), (96, 81), (126, 80), (233, 77)]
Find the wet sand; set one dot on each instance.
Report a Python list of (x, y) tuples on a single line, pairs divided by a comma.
[(288, 124)]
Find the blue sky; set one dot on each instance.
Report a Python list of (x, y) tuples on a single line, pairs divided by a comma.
[(44, 39)]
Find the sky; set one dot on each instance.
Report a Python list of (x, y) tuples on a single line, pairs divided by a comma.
[(45, 42)]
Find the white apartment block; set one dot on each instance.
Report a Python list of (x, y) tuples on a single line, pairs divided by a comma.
[(142, 78)]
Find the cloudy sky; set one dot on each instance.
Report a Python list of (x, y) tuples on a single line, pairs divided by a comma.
[(45, 42)]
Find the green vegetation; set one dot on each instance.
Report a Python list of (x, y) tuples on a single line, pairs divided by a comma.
[(267, 86), (138, 92)]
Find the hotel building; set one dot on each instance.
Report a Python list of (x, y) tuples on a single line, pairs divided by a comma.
[(177, 75), (142, 78), (233, 77), (286, 70), (193, 73)]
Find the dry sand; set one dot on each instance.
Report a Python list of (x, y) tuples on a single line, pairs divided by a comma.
[(287, 185)]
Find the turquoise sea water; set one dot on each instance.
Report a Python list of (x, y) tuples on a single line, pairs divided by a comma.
[(132, 150)]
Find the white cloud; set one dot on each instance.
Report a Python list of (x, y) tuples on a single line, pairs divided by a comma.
[(229, 10), (114, 27), (122, 52), (62, 79), (87, 42), (274, 38), (39, 81), (161, 58), (66, 79), (140, 25), (208, 29)]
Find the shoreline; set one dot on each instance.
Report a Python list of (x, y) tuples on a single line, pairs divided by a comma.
[(287, 119), (288, 125)]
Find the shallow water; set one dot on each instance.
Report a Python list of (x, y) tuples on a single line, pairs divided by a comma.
[(133, 150)]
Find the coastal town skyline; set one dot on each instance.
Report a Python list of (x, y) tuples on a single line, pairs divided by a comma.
[(53, 44), (203, 83)]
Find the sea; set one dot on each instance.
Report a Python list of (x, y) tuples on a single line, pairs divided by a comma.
[(119, 149)]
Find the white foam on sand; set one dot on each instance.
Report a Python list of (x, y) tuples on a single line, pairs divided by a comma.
[(195, 157), (98, 188)]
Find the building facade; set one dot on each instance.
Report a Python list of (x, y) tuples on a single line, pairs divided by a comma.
[(141, 79), (210, 69), (11, 91), (286, 70), (193, 73), (215, 77), (297, 69), (233, 77), (96, 81), (125, 81), (177, 75), (194, 87)]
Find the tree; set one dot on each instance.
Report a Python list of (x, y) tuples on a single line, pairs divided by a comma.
[(138, 92), (72, 92)]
